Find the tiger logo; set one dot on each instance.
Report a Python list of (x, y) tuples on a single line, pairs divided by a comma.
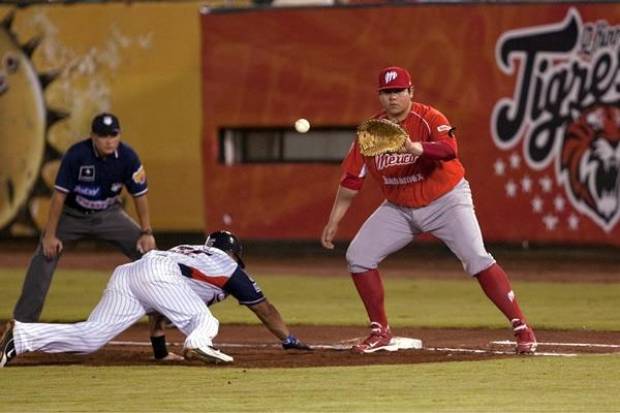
[(590, 163)]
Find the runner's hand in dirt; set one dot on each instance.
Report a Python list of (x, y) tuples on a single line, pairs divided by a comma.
[(293, 343)]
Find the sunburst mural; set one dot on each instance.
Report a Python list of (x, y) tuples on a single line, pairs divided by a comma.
[(24, 122), (43, 112)]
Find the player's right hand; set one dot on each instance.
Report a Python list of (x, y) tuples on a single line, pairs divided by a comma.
[(293, 343), (52, 246), (329, 232), (145, 243)]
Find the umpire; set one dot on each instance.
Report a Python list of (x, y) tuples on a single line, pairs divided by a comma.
[(86, 203)]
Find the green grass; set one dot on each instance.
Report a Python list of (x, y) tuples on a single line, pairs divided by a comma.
[(325, 300), (587, 383), (72, 295)]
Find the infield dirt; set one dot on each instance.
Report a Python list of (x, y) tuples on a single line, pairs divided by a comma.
[(253, 346)]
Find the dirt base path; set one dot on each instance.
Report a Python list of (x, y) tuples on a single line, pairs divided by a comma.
[(253, 346)]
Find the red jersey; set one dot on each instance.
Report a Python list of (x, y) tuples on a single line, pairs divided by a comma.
[(409, 180)]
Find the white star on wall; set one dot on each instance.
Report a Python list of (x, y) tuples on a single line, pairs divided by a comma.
[(500, 167), (573, 222), (546, 183), (526, 184), (550, 221), (537, 204), (559, 203), (511, 189), (515, 161)]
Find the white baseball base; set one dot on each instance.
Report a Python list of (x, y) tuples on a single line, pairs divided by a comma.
[(406, 343)]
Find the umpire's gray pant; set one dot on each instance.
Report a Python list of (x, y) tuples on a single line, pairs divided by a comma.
[(112, 225)]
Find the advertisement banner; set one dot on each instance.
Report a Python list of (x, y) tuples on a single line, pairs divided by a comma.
[(533, 90)]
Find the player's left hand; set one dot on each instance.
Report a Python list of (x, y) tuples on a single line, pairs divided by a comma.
[(293, 343), (414, 148)]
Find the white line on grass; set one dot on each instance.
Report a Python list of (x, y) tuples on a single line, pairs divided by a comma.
[(237, 345), (347, 347), (469, 350), (512, 343)]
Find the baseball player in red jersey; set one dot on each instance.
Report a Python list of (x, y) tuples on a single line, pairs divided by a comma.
[(425, 191)]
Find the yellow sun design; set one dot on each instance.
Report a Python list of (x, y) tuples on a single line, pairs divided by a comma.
[(24, 122)]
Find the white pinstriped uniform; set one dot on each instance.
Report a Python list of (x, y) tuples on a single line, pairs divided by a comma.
[(153, 283)]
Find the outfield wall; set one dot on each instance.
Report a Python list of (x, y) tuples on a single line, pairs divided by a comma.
[(268, 67), (532, 89)]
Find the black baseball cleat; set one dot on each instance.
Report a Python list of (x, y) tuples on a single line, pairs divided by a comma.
[(7, 346)]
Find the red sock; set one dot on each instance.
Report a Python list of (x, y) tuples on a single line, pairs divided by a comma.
[(496, 286), (370, 288)]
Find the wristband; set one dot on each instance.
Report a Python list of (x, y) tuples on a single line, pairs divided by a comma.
[(159, 347), (146, 232)]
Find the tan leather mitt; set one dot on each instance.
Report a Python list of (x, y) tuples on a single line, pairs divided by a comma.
[(377, 136)]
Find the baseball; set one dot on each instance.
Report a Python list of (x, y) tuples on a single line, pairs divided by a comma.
[(302, 125)]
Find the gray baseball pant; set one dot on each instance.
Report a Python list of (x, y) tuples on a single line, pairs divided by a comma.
[(451, 218), (112, 225)]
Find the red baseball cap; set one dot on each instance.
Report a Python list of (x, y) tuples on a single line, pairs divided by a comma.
[(394, 77)]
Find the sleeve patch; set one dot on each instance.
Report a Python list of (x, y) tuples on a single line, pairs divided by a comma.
[(241, 286), (139, 177)]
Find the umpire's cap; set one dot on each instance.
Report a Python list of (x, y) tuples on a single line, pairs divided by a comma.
[(227, 242), (105, 124)]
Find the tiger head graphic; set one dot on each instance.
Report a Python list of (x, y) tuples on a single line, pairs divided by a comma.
[(590, 163)]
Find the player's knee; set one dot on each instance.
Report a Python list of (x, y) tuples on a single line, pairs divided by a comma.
[(205, 318), (473, 265), (97, 341), (358, 262)]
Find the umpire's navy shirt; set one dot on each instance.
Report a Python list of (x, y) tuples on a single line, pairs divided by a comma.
[(92, 182)]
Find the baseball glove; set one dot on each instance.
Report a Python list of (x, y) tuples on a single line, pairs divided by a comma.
[(377, 136)]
